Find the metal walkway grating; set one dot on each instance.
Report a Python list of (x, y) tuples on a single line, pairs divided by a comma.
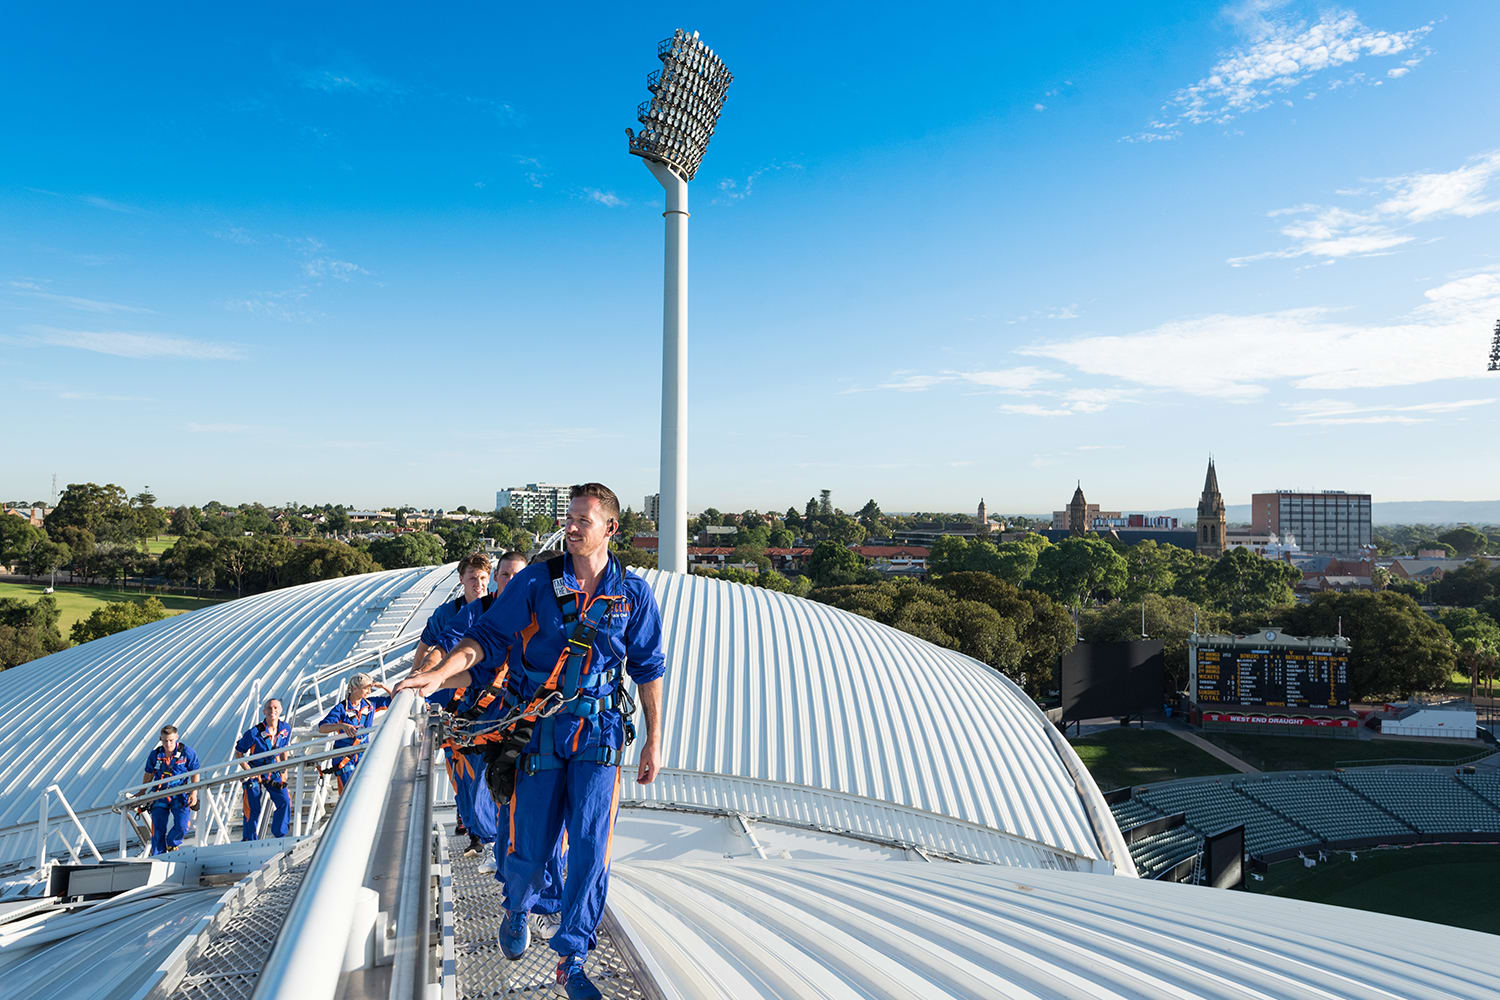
[(229, 964), (484, 973)]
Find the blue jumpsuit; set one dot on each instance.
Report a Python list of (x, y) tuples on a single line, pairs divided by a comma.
[(361, 716), (566, 782), (160, 765), (259, 744), (471, 793), (497, 829)]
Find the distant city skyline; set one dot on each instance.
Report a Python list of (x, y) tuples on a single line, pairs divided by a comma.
[(307, 256)]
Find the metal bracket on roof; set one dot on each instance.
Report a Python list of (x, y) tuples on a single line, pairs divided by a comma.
[(741, 825)]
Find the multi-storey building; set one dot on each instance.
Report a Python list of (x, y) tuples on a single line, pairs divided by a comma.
[(652, 508), (535, 498), (1330, 522)]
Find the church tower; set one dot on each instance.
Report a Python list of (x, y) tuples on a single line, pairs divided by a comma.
[(1211, 519), (983, 517), (1078, 512)]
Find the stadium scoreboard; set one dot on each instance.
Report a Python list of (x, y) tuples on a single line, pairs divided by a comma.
[(1270, 670)]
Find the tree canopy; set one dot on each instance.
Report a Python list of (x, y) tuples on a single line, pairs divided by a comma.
[(1396, 650), (117, 616)]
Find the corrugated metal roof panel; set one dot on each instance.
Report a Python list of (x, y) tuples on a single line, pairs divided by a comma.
[(104, 961), (777, 688), (746, 929), (86, 717), (836, 813)]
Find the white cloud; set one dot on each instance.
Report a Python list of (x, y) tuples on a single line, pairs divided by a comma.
[(73, 395), (1035, 410), (137, 345), (318, 265), (1461, 192), (1237, 358), (1280, 57), (1332, 232), (1339, 412), (731, 191), (1039, 107), (233, 234), (1069, 311), (283, 307), (1022, 381), (93, 200), (1398, 72), (1006, 380), (34, 290), (606, 198), (532, 169)]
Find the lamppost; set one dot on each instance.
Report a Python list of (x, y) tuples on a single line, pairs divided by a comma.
[(687, 94)]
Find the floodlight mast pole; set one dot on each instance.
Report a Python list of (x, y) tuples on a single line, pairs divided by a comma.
[(672, 517), (687, 94)]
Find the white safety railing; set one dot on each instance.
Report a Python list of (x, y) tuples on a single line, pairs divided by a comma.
[(308, 787), (313, 695), (45, 827)]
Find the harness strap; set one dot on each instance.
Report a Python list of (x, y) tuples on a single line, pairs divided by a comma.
[(531, 763)]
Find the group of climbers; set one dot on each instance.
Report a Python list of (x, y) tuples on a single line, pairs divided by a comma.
[(543, 671), (266, 742), (532, 680)]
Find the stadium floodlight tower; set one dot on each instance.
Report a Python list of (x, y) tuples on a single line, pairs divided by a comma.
[(687, 94)]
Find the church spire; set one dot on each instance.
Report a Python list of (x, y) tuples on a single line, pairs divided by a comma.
[(1212, 520)]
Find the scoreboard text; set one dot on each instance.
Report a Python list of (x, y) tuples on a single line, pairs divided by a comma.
[(1275, 678)]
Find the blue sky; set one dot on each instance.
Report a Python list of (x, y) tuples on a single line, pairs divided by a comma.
[(295, 252)]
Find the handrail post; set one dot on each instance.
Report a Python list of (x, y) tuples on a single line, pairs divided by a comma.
[(297, 801), (41, 831)]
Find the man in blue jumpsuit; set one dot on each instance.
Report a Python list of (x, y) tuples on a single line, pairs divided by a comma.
[(476, 807), (173, 757), (354, 713), (484, 807), (569, 774), (474, 575), (262, 741)]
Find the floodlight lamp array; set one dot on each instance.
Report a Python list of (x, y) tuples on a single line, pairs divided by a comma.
[(687, 95), (1495, 349)]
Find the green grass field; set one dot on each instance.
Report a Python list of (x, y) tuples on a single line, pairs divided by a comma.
[(156, 546), (1452, 885), (1294, 753), (1120, 757), (76, 602)]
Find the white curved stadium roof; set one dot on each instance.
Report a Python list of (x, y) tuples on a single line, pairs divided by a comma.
[(776, 703), (737, 930)]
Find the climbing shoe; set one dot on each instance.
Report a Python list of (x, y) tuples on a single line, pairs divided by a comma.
[(573, 983), (515, 934), (544, 925)]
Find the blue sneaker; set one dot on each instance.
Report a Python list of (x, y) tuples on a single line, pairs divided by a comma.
[(573, 983), (515, 934)]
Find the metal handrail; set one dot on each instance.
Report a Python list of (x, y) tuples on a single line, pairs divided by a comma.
[(314, 678), (309, 951), (44, 827), (226, 774)]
